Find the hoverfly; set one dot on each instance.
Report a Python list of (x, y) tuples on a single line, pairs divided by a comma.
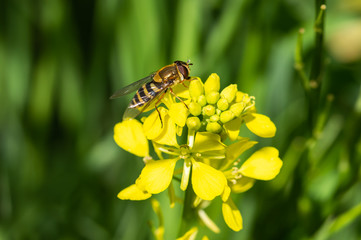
[(152, 86)]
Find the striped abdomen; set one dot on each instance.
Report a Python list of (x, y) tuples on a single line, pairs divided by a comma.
[(146, 93)]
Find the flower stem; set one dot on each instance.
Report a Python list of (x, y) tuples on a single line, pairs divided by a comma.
[(189, 215), (299, 65), (312, 84), (317, 64)]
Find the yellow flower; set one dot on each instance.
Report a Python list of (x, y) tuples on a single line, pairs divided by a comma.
[(236, 181), (207, 182), (212, 167), (264, 164)]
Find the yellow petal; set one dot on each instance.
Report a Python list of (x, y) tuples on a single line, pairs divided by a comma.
[(133, 193), (152, 125), (169, 134), (206, 141), (182, 90), (232, 216), (232, 128), (226, 193), (190, 235), (263, 164), (178, 113), (242, 184), (207, 182), (236, 149), (130, 136), (156, 175), (260, 125)]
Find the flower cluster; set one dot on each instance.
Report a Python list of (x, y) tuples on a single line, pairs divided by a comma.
[(211, 163)]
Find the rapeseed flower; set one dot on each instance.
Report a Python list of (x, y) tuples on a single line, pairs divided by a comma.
[(211, 162)]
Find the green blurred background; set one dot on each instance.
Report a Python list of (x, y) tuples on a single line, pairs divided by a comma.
[(60, 170)]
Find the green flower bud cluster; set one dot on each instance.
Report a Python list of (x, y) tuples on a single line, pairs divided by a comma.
[(210, 108)]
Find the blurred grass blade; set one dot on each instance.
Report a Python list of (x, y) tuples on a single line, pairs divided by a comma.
[(42, 91), (221, 34), (187, 36), (330, 227)]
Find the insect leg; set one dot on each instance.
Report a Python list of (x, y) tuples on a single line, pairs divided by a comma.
[(190, 79), (171, 90), (156, 108)]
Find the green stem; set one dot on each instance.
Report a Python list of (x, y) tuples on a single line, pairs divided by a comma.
[(299, 65), (317, 64), (189, 215)]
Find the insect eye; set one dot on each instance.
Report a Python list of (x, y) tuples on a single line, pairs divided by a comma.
[(183, 70)]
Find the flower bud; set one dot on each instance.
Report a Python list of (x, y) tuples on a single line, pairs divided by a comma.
[(241, 97), (202, 100), (222, 104), (226, 116), (212, 97), (195, 108), (212, 84), (196, 89), (237, 108), (209, 110), (213, 127), (229, 93), (214, 118), (193, 123)]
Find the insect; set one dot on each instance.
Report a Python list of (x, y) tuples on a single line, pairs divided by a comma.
[(153, 87)]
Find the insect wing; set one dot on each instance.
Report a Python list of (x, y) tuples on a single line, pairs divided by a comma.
[(132, 87), (134, 112)]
